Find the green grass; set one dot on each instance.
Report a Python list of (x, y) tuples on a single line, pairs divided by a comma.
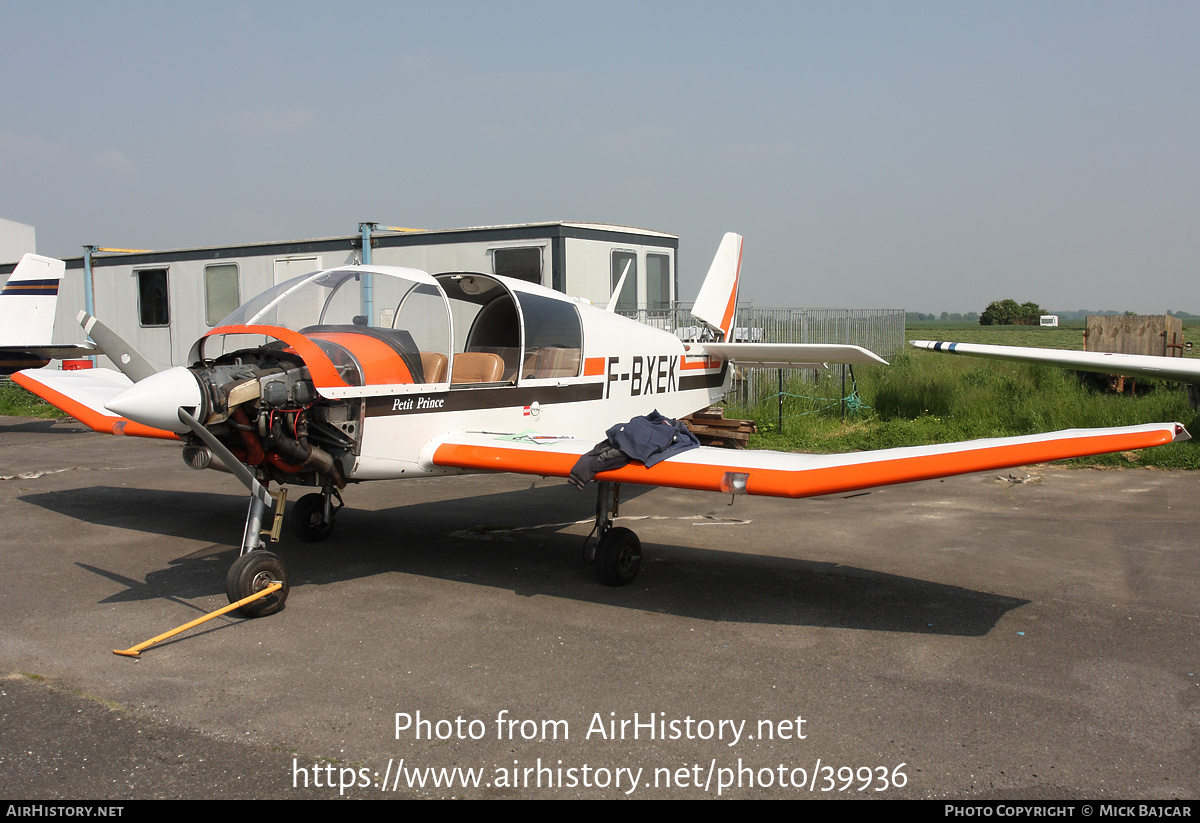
[(16, 402), (933, 398)]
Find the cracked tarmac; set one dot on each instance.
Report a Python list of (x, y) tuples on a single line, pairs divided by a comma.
[(1002, 640)]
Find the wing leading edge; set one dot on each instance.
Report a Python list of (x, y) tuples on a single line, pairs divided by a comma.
[(787, 355), (1184, 370), (82, 394), (780, 474)]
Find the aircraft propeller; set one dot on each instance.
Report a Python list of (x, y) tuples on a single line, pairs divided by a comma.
[(171, 400)]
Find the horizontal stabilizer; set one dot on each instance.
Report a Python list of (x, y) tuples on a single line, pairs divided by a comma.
[(781, 474), (54, 351), (82, 394), (1185, 370), (786, 355)]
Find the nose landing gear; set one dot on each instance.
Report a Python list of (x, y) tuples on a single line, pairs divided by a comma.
[(252, 573)]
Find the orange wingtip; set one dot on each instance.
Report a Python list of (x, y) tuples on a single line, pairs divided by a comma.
[(94, 420)]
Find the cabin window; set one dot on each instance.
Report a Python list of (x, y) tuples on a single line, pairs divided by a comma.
[(153, 305), (519, 264), (553, 337), (627, 300), (485, 323), (221, 294), (658, 281)]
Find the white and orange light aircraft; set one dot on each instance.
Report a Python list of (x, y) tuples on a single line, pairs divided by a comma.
[(375, 373)]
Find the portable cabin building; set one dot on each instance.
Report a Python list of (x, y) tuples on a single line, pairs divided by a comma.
[(162, 301)]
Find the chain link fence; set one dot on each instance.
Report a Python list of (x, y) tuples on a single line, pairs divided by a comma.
[(877, 330)]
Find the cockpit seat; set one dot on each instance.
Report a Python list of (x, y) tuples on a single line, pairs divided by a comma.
[(434, 365), (552, 361), (477, 367)]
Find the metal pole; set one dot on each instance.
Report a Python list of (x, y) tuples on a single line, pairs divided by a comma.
[(87, 279), (843, 392), (781, 401), (88, 302), (368, 286)]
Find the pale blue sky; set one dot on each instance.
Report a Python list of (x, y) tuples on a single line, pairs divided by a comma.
[(926, 155)]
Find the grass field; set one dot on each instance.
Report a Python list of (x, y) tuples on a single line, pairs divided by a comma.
[(924, 397), (16, 402)]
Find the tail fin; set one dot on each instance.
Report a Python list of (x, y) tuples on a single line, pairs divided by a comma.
[(28, 301), (716, 305)]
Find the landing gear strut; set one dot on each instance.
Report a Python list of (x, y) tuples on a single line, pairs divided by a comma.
[(618, 553), (256, 568)]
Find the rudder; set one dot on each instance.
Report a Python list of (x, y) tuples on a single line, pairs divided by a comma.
[(716, 305), (28, 301)]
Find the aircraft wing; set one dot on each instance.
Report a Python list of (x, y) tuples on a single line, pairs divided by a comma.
[(782, 474), (82, 394), (55, 351), (1184, 370), (786, 355)]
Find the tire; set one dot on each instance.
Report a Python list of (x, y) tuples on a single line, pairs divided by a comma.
[(253, 572), (618, 557), (308, 515)]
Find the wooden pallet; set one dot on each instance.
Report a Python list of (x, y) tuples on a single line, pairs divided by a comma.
[(712, 429)]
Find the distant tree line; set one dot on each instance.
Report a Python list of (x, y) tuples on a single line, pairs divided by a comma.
[(946, 316), (975, 317), (1011, 313)]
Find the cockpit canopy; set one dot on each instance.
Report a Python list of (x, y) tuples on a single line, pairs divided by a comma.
[(463, 328)]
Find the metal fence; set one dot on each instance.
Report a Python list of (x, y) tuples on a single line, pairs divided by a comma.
[(877, 330)]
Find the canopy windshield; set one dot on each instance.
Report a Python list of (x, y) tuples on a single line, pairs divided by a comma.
[(345, 299)]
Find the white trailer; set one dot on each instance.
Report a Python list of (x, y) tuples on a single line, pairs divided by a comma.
[(162, 301)]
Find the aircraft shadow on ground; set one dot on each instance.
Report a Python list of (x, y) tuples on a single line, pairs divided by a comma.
[(26, 425), (433, 540)]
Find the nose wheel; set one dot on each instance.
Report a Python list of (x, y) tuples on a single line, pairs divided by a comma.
[(253, 572)]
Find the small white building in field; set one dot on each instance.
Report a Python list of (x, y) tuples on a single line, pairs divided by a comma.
[(162, 301), (1049, 320)]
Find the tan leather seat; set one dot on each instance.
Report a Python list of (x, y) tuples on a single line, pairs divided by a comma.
[(434, 365), (477, 367), (558, 362)]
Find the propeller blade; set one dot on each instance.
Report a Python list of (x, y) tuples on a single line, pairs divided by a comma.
[(126, 358), (236, 466)]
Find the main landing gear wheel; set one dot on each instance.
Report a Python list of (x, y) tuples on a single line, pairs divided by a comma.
[(308, 518), (618, 556), (253, 572)]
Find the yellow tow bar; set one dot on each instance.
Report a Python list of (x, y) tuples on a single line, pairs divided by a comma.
[(137, 650)]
